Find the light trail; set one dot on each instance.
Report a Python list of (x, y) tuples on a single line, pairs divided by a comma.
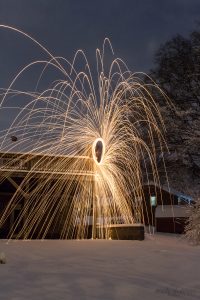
[(71, 119)]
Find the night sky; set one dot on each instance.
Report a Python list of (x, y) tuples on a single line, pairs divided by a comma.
[(136, 28)]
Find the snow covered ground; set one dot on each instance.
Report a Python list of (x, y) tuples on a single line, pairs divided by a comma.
[(161, 267)]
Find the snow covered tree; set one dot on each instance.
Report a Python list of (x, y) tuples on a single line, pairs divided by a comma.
[(177, 72), (193, 227), (177, 69)]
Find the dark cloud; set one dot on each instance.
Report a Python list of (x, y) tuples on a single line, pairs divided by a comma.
[(135, 27)]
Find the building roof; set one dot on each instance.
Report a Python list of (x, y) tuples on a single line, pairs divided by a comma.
[(171, 191)]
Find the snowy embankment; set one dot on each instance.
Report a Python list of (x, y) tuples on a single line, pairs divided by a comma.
[(161, 267)]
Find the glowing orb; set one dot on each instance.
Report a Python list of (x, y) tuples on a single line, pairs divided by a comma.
[(98, 150)]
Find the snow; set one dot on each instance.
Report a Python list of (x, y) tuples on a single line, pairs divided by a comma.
[(161, 267), (172, 211)]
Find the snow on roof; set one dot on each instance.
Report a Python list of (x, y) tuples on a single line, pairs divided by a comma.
[(171, 211)]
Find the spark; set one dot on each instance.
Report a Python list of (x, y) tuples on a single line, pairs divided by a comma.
[(79, 145)]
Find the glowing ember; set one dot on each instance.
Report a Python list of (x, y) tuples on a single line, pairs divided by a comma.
[(60, 123)]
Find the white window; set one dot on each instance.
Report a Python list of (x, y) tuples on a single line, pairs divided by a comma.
[(153, 200)]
